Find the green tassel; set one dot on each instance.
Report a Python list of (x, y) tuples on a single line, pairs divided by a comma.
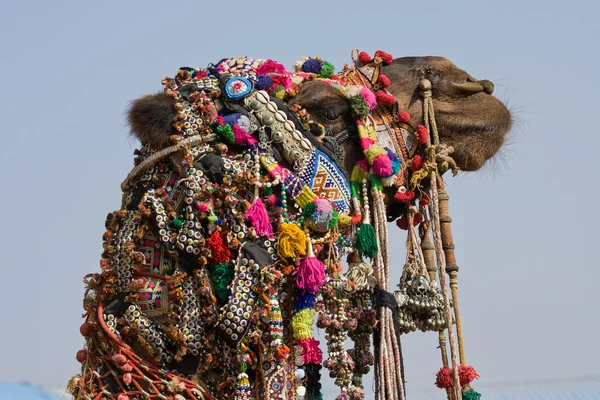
[(226, 132), (376, 182), (221, 276), (335, 216), (327, 69), (178, 222), (471, 394), (366, 242)]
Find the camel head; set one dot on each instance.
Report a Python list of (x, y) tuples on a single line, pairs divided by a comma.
[(469, 118)]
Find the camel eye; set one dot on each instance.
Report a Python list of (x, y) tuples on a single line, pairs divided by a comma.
[(332, 113)]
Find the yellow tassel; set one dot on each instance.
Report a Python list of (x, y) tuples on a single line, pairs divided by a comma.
[(302, 324), (291, 241)]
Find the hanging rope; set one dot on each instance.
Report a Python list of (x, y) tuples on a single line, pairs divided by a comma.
[(389, 371), (432, 142)]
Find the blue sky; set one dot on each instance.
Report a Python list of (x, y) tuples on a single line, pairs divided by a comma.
[(525, 227)]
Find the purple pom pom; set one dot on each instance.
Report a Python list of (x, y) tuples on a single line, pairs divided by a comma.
[(264, 82), (231, 119), (312, 66)]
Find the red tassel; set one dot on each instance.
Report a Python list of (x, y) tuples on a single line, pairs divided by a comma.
[(466, 374), (219, 252), (422, 134), (364, 57), (385, 98), (386, 58), (383, 81), (416, 164), (423, 201), (402, 223), (444, 379), (403, 116), (404, 197)]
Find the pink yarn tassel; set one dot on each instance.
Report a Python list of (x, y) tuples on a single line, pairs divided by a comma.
[(310, 274), (258, 217), (311, 353)]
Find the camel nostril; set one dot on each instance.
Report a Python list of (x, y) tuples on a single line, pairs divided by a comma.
[(488, 86)]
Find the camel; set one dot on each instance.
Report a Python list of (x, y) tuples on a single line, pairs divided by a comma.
[(196, 298)]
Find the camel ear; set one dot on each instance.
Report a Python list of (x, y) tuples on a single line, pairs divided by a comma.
[(151, 119)]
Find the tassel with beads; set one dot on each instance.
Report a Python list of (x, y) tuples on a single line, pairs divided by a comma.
[(218, 250), (366, 242), (258, 217), (310, 274), (291, 241)]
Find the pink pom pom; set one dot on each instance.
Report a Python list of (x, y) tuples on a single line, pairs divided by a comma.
[(383, 81), (403, 116), (382, 165), (127, 367), (386, 58), (123, 397), (203, 207), (322, 205), (369, 97), (127, 378), (258, 217), (241, 136), (272, 199), (422, 134), (364, 57), (271, 66), (385, 98)]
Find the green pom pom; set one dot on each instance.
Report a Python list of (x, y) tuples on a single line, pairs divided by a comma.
[(327, 69), (178, 222), (335, 216), (221, 276), (309, 210), (359, 106), (211, 218), (268, 191), (366, 242), (471, 394), (226, 133)]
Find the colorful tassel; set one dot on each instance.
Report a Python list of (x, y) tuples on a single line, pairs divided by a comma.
[(291, 241), (366, 242), (310, 274), (471, 394), (219, 252), (444, 379), (259, 218), (311, 353), (466, 374), (221, 276)]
